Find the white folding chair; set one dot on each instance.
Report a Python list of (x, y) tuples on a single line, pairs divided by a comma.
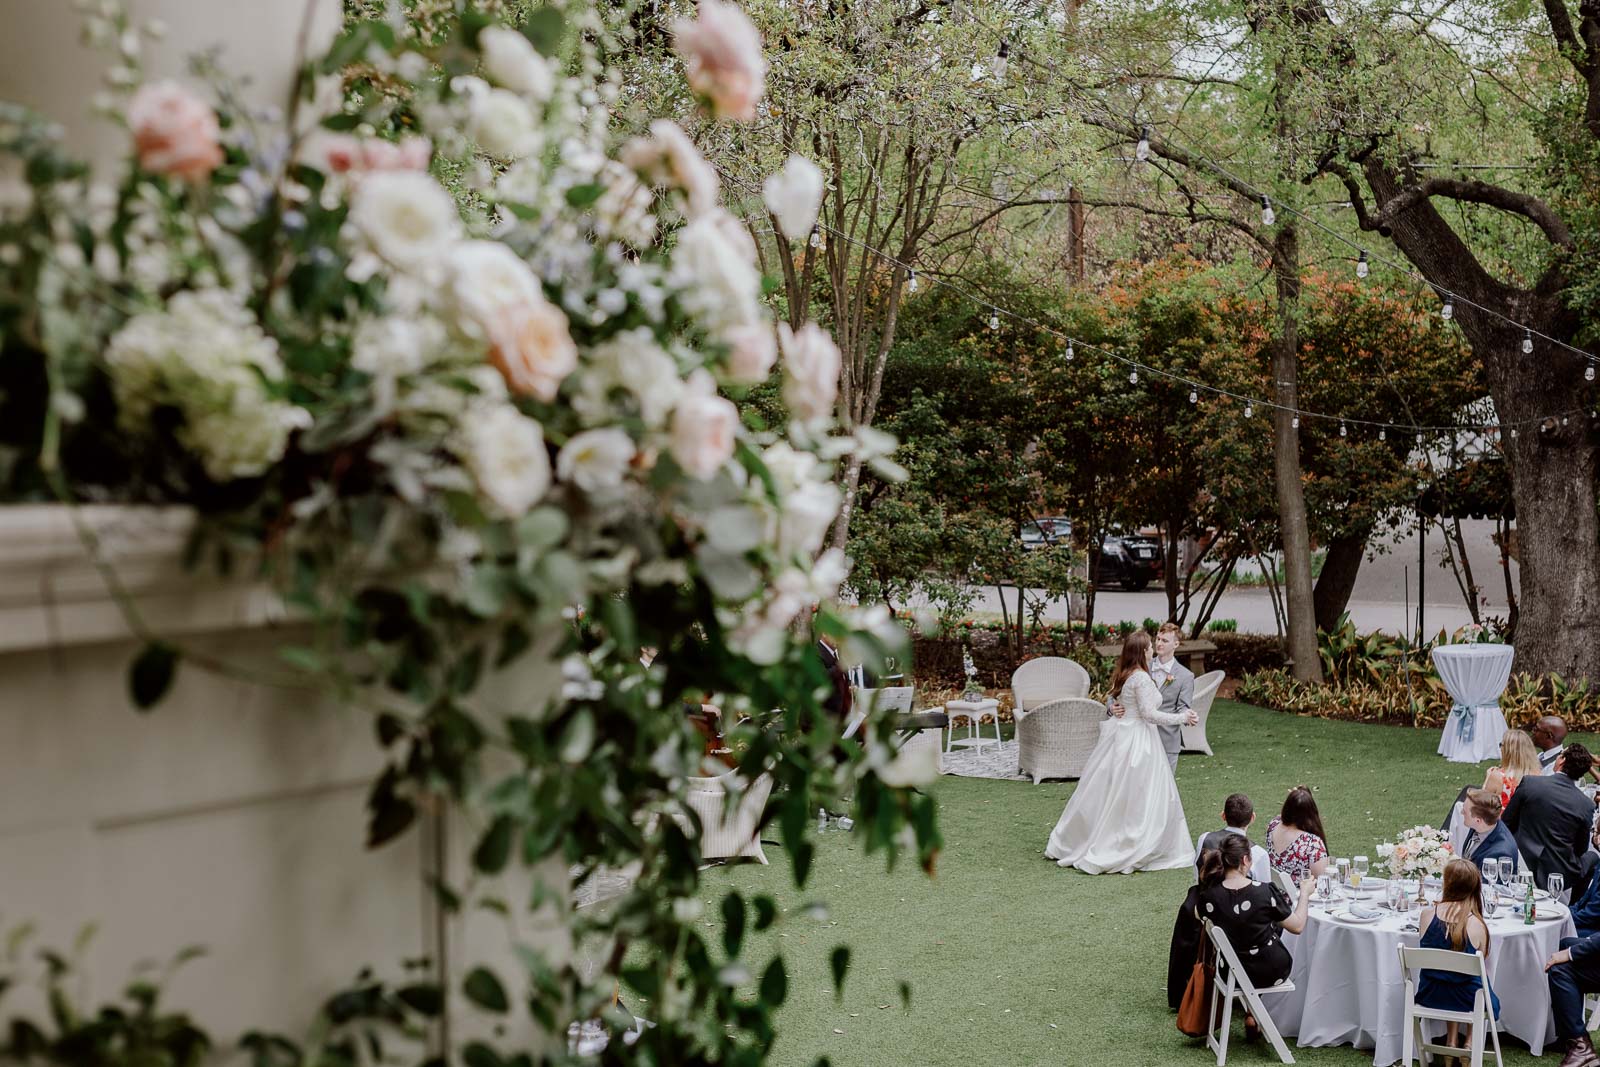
[(1282, 880), (1233, 984), (1480, 1018), (1591, 1007)]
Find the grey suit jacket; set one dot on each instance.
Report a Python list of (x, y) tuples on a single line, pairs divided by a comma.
[(1176, 695)]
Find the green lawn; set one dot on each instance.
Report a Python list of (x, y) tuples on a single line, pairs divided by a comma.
[(1015, 961)]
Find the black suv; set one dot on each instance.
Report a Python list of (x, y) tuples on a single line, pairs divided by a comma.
[(1128, 560)]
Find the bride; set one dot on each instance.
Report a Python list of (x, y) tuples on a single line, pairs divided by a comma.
[(1125, 815)]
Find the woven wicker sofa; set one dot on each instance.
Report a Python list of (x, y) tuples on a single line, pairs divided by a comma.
[(1054, 740)]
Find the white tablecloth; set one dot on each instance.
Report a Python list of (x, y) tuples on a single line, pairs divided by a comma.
[(1349, 991), (1475, 675)]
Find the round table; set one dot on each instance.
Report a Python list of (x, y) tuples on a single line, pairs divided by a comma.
[(1475, 675), (1349, 990)]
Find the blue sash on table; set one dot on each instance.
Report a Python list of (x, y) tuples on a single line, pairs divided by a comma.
[(1465, 717)]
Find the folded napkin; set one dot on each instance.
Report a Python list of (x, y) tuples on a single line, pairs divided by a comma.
[(1361, 911)]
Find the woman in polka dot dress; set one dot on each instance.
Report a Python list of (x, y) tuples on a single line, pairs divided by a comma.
[(1253, 914)]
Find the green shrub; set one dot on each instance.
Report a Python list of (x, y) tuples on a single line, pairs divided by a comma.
[(1223, 626)]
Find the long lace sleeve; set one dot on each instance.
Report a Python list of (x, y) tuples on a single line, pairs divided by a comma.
[(1148, 698)]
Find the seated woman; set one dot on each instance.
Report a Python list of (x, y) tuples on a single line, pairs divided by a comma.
[(1296, 843), (1455, 923), (1518, 760), (1251, 913)]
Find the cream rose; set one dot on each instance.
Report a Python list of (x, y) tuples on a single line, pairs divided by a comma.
[(174, 132), (669, 159), (794, 195), (812, 365), (511, 60), (502, 125), (703, 428), (596, 460), (407, 218), (505, 453), (483, 277), (530, 345), (723, 59)]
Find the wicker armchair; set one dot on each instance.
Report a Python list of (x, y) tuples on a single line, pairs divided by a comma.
[(727, 833), (1054, 740), (1046, 679), (1205, 691)]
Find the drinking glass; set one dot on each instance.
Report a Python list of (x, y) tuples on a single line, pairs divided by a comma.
[(1324, 888), (1358, 870), (1391, 894), (1491, 876), (1555, 884)]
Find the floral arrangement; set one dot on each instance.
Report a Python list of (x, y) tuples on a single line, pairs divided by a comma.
[(473, 428), (1421, 852), (1474, 633), (973, 690)]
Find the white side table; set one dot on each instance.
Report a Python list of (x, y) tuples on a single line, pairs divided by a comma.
[(972, 711)]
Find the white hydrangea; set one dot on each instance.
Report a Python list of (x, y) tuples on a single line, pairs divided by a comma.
[(205, 355)]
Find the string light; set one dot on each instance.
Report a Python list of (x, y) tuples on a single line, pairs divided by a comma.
[(1070, 353), (1362, 267), (1249, 409), (1588, 373), (911, 284), (1419, 440), (1133, 377), (1448, 312), (1141, 152), (1194, 397), (1527, 341), (816, 237), (1000, 59), (1268, 216), (1513, 433), (1295, 422), (1383, 435), (994, 321), (1343, 430)]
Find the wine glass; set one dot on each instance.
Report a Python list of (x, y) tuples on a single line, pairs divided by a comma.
[(1391, 894), (1358, 870), (1491, 875), (1555, 884)]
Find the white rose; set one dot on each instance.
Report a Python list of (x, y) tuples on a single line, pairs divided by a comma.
[(393, 345), (812, 365), (704, 426), (789, 467), (752, 350), (596, 459), (483, 277), (808, 512), (634, 361), (510, 60), (505, 453), (793, 195), (502, 125), (406, 218), (719, 284)]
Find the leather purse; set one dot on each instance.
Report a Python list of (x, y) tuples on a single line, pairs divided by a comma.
[(1194, 1011)]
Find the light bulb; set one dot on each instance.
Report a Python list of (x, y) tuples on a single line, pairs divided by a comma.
[(999, 65), (1419, 440), (1070, 353), (1527, 342), (1343, 430), (1295, 422), (994, 322), (1267, 215), (912, 283), (1513, 433), (1142, 151), (1383, 435), (1362, 268), (816, 237), (1249, 409), (1588, 373), (1133, 377), (1194, 397)]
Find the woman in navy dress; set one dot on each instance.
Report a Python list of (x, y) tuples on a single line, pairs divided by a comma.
[(1456, 923)]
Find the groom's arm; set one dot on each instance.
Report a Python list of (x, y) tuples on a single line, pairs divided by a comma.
[(1185, 692)]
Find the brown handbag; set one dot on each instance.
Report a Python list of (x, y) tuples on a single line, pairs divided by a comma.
[(1194, 1011)]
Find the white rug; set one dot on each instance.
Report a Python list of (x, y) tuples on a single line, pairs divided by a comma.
[(991, 761)]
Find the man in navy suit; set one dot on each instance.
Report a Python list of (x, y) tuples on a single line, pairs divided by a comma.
[(1487, 836), (1551, 818)]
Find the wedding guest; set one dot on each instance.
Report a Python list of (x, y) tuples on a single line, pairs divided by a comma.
[(1487, 836), (1455, 923), (1252, 913), (1237, 816), (1518, 760), (1550, 818), (1586, 903), (1570, 973), (1296, 842), (1548, 735)]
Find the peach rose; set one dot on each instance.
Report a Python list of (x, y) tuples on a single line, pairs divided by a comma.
[(174, 132), (752, 350), (340, 153), (723, 59), (531, 347), (703, 428)]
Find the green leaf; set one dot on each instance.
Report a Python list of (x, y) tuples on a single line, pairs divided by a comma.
[(544, 28), (151, 674), (424, 998), (577, 740), (477, 1054), (774, 984), (485, 990), (733, 918), (766, 912), (495, 847), (905, 995), (584, 195), (542, 528), (802, 854), (839, 961), (485, 592)]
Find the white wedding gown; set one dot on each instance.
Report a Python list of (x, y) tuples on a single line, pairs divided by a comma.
[(1125, 815)]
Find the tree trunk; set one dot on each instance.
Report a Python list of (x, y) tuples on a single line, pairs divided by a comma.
[(1338, 579), (1301, 621)]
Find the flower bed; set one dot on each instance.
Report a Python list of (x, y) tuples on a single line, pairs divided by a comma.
[(1425, 702)]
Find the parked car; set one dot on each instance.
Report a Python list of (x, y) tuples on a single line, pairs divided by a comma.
[(1128, 560)]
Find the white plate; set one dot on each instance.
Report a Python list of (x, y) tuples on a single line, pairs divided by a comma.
[(1345, 915)]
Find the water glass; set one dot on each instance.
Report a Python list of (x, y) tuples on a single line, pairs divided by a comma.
[(1391, 894), (1324, 888), (1555, 884), (1358, 869)]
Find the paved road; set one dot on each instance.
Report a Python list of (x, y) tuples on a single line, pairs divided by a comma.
[(1386, 582)]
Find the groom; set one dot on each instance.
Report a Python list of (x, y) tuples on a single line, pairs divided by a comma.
[(1176, 683)]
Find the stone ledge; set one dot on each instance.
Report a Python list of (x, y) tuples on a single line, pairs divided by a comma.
[(53, 595)]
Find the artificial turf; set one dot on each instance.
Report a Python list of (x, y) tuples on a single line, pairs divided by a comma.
[(1012, 960)]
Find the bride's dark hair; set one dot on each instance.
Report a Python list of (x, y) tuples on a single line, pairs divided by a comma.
[(1135, 653), (1232, 853)]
